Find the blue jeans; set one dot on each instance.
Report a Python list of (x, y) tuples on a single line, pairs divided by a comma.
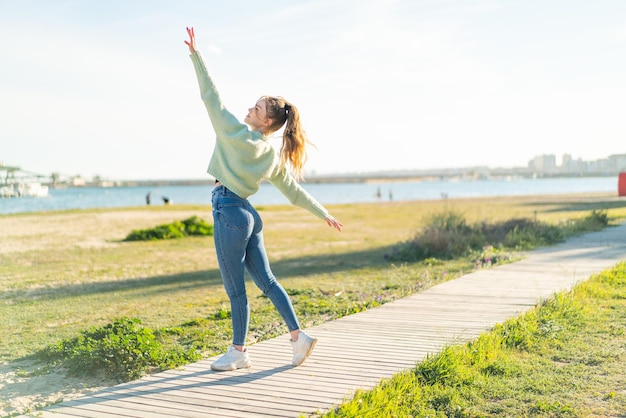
[(238, 234)]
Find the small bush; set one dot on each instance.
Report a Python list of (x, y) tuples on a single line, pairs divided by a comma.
[(193, 226), (448, 236), (595, 221), (122, 350), (532, 235)]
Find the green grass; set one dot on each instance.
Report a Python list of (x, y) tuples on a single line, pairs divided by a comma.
[(73, 271), (193, 226), (564, 358), (448, 235), (123, 350)]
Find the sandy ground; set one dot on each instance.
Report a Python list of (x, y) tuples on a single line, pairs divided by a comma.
[(38, 232), (24, 385), (23, 390)]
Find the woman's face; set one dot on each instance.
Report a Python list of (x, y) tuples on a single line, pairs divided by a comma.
[(257, 117)]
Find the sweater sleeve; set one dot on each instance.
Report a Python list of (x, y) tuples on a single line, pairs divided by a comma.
[(296, 195), (224, 123)]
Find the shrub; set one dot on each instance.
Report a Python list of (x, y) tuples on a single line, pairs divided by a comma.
[(193, 226), (595, 221), (448, 235), (123, 350), (532, 235)]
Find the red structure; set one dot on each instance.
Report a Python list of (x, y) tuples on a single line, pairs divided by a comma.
[(621, 184)]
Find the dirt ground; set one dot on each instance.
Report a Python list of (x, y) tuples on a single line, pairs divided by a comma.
[(22, 389), (38, 232)]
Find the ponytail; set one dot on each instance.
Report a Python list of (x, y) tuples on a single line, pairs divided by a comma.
[(293, 150)]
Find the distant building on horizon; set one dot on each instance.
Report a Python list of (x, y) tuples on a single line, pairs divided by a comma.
[(78, 181), (546, 164), (543, 163)]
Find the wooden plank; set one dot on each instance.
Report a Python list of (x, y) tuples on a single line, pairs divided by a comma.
[(191, 403)]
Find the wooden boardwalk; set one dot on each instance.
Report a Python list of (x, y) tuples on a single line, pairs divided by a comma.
[(359, 350)]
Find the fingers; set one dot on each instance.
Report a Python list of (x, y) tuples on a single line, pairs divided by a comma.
[(334, 223), (191, 43)]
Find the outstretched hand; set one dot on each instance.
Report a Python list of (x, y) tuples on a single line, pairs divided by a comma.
[(191, 43), (334, 223)]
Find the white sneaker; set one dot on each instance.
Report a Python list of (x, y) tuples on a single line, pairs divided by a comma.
[(232, 360), (302, 348)]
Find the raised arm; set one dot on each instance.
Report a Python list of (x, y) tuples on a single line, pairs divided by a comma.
[(225, 124)]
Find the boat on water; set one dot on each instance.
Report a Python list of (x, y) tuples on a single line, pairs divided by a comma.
[(24, 184), (30, 189)]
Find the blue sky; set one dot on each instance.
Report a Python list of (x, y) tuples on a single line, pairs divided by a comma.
[(107, 88)]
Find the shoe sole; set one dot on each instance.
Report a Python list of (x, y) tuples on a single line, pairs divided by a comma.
[(231, 368), (308, 352)]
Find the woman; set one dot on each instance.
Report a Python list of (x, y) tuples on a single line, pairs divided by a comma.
[(242, 158)]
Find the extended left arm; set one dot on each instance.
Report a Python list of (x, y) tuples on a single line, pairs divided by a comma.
[(296, 195)]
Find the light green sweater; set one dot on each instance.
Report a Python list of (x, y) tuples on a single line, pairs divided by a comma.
[(243, 158)]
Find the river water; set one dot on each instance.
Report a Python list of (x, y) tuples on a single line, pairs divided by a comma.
[(325, 193)]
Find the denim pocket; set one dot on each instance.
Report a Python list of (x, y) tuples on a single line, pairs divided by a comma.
[(233, 216)]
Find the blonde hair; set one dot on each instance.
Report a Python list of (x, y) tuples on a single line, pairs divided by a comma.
[(293, 149)]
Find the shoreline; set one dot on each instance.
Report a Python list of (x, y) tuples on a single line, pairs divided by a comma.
[(586, 196), (477, 174), (133, 198)]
